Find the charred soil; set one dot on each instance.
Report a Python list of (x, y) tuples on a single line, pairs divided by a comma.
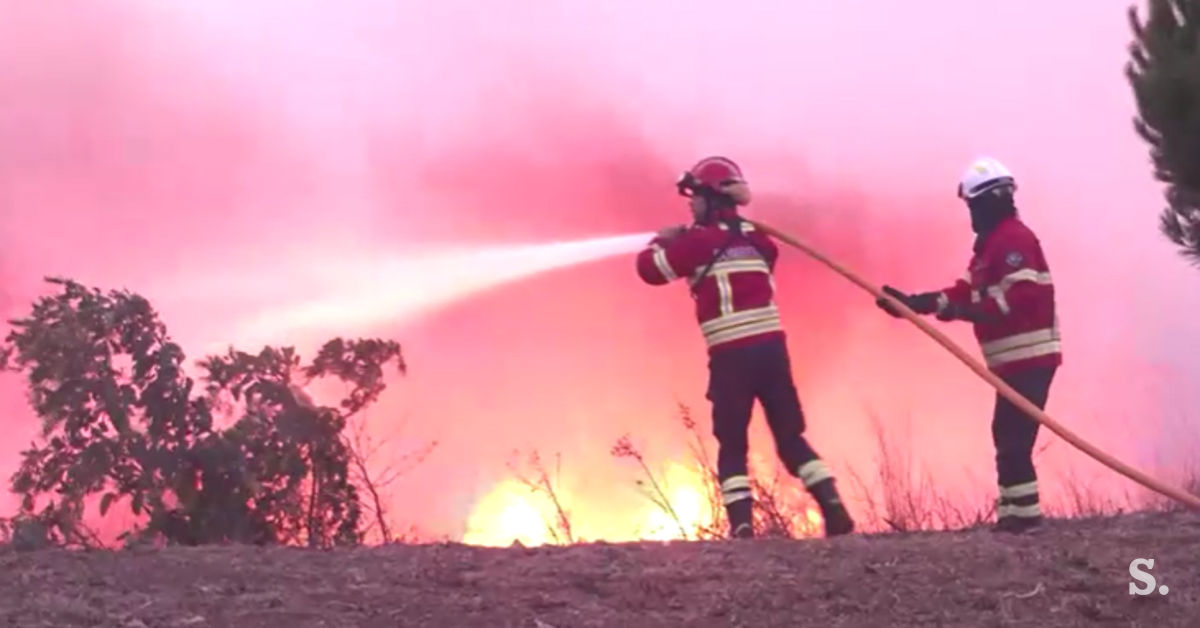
[(1070, 573)]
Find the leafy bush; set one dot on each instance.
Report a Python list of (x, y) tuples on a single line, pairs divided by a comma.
[(123, 424)]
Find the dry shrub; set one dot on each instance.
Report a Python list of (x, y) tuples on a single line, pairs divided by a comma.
[(904, 497), (540, 481), (781, 509)]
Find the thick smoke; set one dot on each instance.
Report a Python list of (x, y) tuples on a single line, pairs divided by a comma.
[(205, 154)]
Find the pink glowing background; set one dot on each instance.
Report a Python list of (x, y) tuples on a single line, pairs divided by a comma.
[(207, 152)]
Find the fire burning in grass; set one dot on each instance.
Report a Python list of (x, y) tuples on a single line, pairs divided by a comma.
[(683, 502), (516, 511)]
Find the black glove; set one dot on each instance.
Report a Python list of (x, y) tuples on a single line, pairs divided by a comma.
[(886, 306), (954, 312), (950, 313), (924, 303)]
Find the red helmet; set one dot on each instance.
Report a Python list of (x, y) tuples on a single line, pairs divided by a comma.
[(717, 175), (717, 172)]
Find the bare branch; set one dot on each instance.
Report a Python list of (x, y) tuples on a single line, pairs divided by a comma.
[(541, 483)]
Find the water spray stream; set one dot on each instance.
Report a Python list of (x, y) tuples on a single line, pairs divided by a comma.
[(397, 289)]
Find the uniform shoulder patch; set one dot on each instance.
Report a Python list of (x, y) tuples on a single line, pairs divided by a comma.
[(1014, 259)]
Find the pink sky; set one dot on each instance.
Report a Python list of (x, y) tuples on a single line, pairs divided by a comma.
[(171, 146)]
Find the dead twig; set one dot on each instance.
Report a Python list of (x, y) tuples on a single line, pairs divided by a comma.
[(650, 485), (561, 529)]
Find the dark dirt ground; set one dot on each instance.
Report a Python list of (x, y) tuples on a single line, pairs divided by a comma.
[(1071, 573)]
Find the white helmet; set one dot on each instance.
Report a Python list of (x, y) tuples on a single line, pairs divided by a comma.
[(985, 175)]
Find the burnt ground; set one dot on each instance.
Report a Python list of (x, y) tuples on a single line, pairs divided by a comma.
[(1072, 573)]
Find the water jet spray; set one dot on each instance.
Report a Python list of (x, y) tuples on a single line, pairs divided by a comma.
[(399, 289)]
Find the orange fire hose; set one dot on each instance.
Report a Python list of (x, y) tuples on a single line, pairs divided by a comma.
[(1016, 398)]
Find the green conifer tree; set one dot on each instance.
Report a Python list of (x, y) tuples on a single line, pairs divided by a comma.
[(1164, 72)]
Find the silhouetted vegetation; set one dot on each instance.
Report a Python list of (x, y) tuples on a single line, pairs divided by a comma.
[(240, 454), (781, 507), (1164, 72), (540, 481)]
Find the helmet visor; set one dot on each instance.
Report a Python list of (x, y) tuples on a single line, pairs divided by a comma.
[(985, 186)]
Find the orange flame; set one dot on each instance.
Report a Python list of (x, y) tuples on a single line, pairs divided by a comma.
[(685, 506)]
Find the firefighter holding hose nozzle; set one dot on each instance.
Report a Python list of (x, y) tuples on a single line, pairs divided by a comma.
[(1008, 296), (728, 266)]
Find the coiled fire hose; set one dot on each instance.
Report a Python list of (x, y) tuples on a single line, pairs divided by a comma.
[(1179, 495)]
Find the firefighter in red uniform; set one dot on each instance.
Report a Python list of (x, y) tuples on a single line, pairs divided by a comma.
[(729, 266), (1008, 295)]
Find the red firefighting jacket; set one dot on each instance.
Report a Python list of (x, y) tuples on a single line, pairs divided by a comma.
[(1009, 288), (734, 291)]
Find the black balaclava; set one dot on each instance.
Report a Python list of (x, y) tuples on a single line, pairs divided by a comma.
[(719, 208), (990, 209)]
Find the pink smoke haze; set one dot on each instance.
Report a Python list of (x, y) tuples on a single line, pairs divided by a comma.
[(232, 158)]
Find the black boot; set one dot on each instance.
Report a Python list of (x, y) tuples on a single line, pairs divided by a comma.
[(1013, 524), (1020, 512), (741, 519), (833, 512)]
